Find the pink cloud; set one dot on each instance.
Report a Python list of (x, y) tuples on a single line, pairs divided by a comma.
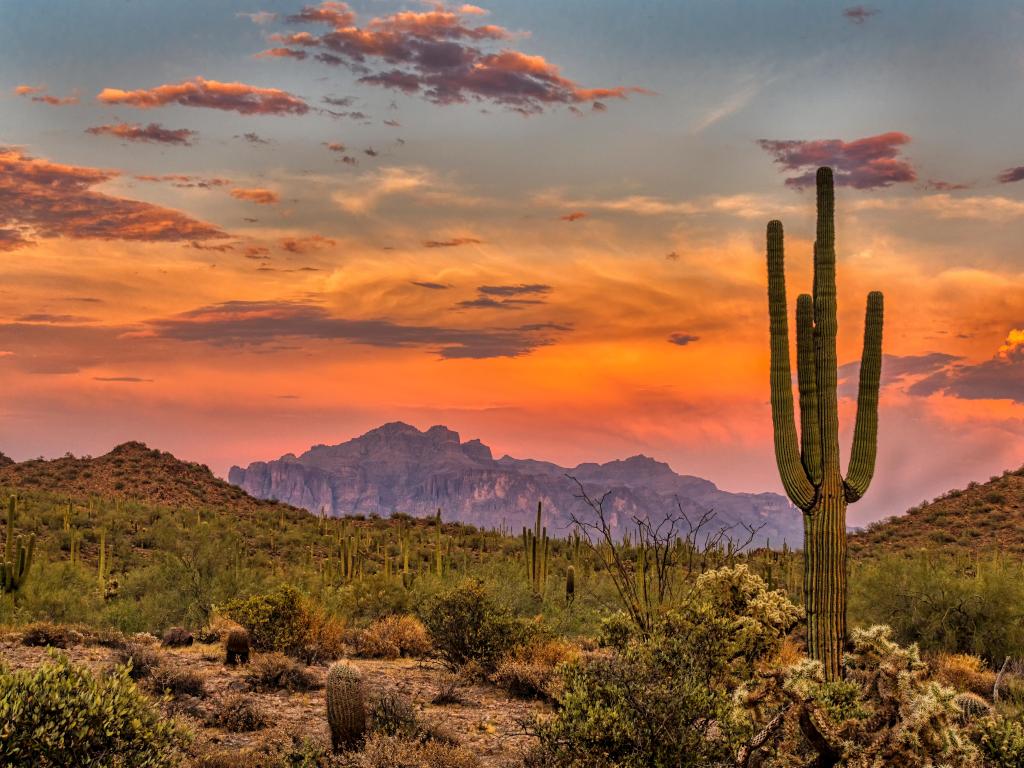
[(153, 133), (38, 94), (436, 53), (1011, 175), (863, 164), (256, 195), (200, 92), (56, 200)]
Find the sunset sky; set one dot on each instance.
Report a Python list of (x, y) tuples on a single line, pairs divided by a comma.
[(235, 229)]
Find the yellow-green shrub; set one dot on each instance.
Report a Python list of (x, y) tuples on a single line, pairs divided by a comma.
[(61, 715)]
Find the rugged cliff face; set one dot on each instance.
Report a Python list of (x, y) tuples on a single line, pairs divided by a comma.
[(397, 467)]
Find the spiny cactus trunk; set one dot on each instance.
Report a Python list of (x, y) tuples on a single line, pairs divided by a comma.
[(809, 465)]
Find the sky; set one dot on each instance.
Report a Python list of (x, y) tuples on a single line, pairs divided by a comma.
[(236, 229)]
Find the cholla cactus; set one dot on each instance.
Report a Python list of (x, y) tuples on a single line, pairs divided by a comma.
[(346, 706)]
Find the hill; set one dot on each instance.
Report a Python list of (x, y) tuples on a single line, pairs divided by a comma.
[(397, 467), (130, 471), (981, 517)]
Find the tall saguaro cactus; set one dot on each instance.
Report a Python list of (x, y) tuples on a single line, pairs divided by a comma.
[(809, 467), (17, 555)]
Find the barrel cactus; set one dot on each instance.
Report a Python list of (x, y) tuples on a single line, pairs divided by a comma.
[(237, 647), (346, 706), (809, 466)]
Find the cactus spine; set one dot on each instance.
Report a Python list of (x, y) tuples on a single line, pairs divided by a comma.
[(810, 468), (17, 555), (346, 708)]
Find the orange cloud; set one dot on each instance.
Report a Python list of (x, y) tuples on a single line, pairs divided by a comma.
[(306, 244), (200, 92), (574, 216), (256, 195), (56, 200), (451, 242), (282, 53), (38, 94), (153, 133)]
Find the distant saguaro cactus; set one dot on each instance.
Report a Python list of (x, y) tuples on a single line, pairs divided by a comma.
[(346, 706), (570, 585), (809, 467), (536, 547), (17, 555), (237, 647)]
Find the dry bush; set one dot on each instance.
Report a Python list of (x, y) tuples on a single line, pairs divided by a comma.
[(392, 751), (275, 671), (392, 637), (177, 637), (144, 659), (176, 680), (964, 672), (238, 713), (448, 690), (529, 671), (46, 633)]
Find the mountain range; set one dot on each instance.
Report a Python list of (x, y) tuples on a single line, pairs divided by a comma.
[(398, 468)]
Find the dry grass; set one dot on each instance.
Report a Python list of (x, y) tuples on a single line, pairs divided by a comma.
[(393, 637), (529, 671), (964, 673), (277, 672), (392, 751), (238, 713)]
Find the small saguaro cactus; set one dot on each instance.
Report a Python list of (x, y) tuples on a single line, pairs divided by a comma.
[(809, 467), (237, 647), (346, 706), (570, 585), (17, 555)]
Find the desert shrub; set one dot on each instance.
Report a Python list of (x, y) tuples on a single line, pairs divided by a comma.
[(175, 680), (615, 630), (141, 658), (392, 637), (943, 605), (667, 700), (177, 637), (529, 671), (275, 671), (393, 715), (964, 672), (466, 625), (238, 713), (47, 634), (390, 751), (448, 690), (61, 715), (285, 620)]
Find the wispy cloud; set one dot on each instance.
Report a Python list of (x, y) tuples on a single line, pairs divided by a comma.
[(153, 133), (211, 94), (257, 195)]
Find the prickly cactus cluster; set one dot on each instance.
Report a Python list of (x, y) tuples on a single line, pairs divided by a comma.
[(346, 706)]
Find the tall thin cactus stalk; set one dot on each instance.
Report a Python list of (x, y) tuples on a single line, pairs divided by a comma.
[(17, 555), (809, 467)]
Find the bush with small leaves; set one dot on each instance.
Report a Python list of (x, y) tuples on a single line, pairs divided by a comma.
[(172, 679), (61, 715), (530, 670), (393, 637), (285, 620), (466, 624), (1001, 742)]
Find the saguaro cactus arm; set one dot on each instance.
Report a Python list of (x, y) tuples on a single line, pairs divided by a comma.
[(865, 431), (787, 453), (810, 433)]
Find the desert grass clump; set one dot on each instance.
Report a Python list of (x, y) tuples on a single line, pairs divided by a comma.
[(238, 713), (277, 672), (142, 659), (346, 706), (236, 648), (172, 679), (62, 715), (448, 690), (963, 672), (530, 671), (393, 714), (393, 637), (42, 634), (390, 751)]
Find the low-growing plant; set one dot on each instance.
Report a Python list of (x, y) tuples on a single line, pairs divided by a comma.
[(393, 637), (61, 715), (47, 634), (384, 751), (141, 658), (275, 671), (393, 714), (238, 713), (529, 671), (173, 679)]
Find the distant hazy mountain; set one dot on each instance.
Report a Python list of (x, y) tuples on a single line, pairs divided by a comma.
[(398, 468)]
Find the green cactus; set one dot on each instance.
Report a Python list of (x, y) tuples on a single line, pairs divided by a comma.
[(537, 548), (438, 552), (809, 467), (570, 585), (17, 555), (346, 706)]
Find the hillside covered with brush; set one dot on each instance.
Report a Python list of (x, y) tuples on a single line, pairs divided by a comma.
[(981, 517)]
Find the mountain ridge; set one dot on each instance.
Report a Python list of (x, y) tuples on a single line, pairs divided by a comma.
[(399, 468)]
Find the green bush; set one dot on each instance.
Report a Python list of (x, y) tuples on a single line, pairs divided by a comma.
[(285, 620), (467, 625), (969, 606), (667, 700), (1001, 742), (60, 715)]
